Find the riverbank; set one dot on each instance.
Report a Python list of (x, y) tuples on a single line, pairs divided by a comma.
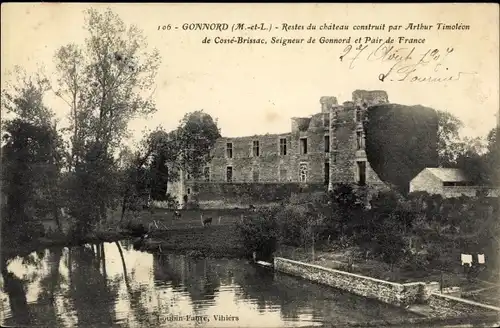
[(353, 260), (212, 241), (60, 240), (422, 298), (424, 322), (183, 234)]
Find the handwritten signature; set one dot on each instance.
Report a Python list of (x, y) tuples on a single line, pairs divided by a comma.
[(405, 62)]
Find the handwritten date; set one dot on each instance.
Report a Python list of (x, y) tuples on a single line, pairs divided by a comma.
[(405, 63)]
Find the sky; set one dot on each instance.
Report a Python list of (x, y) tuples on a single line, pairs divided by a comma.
[(256, 89)]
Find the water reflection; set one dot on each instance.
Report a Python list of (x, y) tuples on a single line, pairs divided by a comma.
[(112, 285)]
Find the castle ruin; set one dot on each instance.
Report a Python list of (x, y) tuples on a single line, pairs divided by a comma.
[(319, 151)]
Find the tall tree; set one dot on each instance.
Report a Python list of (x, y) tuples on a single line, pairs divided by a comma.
[(196, 137), (23, 95), (162, 155), (105, 82), (31, 154), (137, 172), (492, 157)]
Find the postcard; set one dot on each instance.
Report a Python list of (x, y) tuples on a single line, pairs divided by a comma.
[(249, 165)]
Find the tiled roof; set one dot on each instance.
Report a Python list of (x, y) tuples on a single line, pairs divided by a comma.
[(447, 174)]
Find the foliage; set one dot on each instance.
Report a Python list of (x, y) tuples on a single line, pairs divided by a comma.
[(259, 232), (389, 221), (27, 172), (491, 158), (196, 136), (479, 159), (344, 211), (159, 177), (475, 156), (31, 157), (398, 160), (448, 138), (24, 97), (389, 242), (299, 225), (105, 81), (470, 224), (94, 188), (163, 154)]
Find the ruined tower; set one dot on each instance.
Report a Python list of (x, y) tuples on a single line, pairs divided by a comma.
[(348, 156)]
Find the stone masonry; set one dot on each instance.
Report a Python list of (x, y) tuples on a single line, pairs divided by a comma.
[(323, 149)]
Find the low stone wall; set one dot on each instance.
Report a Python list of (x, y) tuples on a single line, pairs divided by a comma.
[(470, 191), (241, 195), (385, 291), (451, 306)]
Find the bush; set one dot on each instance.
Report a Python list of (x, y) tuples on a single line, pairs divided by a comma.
[(259, 232), (343, 212), (290, 222)]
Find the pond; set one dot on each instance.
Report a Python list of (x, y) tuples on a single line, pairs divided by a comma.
[(113, 285)]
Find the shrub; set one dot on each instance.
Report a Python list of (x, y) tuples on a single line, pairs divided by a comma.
[(259, 232), (343, 212), (290, 223)]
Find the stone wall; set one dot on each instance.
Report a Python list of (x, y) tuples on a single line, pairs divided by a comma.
[(426, 181), (344, 143), (244, 163), (316, 155), (450, 306), (470, 191), (367, 98), (385, 291), (231, 195)]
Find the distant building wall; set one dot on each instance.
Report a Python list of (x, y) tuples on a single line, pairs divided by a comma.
[(426, 181), (244, 163)]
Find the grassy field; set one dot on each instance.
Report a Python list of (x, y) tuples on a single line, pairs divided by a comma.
[(214, 241), (166, 219), (187, 234), (188, 218)]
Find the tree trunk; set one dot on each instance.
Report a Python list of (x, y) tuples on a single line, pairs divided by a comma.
[(57, 218), (97, 256), (313, 254), (103, 259), (15, 289), (102, 213), (123, 264), (124, 208)]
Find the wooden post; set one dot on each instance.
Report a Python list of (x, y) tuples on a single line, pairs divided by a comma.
[(313, 247), (441, 283)]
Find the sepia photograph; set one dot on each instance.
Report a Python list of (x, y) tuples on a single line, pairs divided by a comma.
[(249, 165)]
